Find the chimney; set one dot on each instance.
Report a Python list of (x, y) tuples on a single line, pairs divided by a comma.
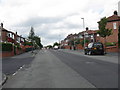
[(2, 25), (115, 13), (16, 33), (87, 28)]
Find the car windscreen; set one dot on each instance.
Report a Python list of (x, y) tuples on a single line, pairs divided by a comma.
[(98, 45)]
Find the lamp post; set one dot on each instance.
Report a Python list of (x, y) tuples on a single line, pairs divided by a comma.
[(83, 29)]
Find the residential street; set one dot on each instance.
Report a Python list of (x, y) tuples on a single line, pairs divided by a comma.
[(61, 69)]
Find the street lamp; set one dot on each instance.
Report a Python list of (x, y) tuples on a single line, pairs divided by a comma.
[(83, 29)]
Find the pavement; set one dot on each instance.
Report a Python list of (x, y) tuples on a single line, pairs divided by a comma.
[(10, 65), (4, 78)]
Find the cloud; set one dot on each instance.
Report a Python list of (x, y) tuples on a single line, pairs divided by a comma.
[(53, 19), (39, 21)]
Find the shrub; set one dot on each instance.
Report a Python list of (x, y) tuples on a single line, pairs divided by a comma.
[(82, 42), (18, 46), (111, 44), (28, 43), (6, 46)]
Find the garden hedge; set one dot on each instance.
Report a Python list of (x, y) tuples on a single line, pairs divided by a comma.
[(6, 46)]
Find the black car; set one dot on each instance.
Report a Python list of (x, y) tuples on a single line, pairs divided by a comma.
[(94, 48)]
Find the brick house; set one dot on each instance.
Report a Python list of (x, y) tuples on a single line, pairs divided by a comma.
[(7, 36), (64, 44), (92, 36), (113, 23)]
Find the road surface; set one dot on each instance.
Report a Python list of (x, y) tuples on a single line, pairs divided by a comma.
[(59, 69), (11, 64)]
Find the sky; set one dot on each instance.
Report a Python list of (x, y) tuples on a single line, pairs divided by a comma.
[(53, 20)]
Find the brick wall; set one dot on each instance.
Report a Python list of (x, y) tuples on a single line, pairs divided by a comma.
[(4, 35), (79, 46), (67, 47), (9, 54), (112, 49)]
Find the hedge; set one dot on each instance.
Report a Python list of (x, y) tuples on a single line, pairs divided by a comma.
[(18, 46), (111, 44), (6, 46)]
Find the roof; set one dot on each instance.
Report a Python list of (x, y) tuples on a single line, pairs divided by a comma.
[(3, 29), (89, 32), (113, 18)]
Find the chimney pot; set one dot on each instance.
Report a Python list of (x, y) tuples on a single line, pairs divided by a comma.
[(16, 33), (87, 28), (2, 25), (115, 13)]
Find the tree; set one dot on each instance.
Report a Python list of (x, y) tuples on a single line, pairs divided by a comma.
[(82, 42), (34, 39), (56, 44), (103, 31), (31, 34), (77, 41), (71, 42), (50, 46), (38, 41)]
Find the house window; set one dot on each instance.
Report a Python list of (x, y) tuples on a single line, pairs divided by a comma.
[(18, 39), (0, 33), (80, 36), (114, 26), (98, 35), (66, 41), (13, 36)]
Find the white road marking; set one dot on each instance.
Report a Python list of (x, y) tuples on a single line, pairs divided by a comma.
[(18, 70)]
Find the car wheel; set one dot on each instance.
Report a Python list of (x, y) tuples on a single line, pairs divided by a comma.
[(102, 53), (90, 53)]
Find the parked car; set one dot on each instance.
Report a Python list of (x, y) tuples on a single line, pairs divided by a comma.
[(94, 48), (55, 47)]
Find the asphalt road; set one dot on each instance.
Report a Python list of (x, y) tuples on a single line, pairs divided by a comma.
[(58, 69), (100, 73), (11, 64)]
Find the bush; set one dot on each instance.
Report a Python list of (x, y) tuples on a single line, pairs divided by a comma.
[(111, 44), (28, 49), (18, 46), (82, 42), (6, 46), (28, 43)]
